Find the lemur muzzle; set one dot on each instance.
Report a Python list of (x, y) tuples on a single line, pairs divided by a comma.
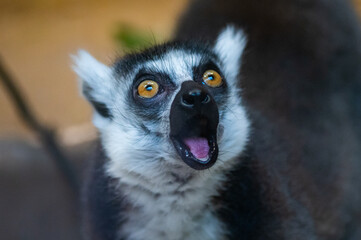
[(194, 119)]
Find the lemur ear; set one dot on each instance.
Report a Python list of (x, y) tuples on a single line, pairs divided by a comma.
[(229, 47), (96, 85)]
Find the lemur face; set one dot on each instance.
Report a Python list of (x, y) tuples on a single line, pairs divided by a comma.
[(174, 107)]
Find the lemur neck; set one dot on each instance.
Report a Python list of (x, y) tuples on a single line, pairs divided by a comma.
[(180, 208)]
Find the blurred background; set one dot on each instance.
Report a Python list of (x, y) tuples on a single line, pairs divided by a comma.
[(37, 38)]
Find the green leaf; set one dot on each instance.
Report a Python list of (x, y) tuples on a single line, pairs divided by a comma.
[(130, 38)]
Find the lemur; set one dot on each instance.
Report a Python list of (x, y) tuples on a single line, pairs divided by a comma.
[(246, 126)]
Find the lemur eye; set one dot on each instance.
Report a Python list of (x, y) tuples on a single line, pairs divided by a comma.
[(212, 78), (148, 89)]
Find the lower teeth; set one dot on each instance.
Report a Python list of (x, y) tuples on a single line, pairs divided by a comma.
[(203, 159)]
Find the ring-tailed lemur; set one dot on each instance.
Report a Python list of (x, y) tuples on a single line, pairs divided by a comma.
[(164, 114), (186, 155)]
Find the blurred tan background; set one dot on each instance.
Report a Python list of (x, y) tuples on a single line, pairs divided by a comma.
[(37, 38)]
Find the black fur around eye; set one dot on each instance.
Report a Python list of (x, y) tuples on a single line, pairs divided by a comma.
[(207, 72), (212, 78), (148, 89), (151, 87)]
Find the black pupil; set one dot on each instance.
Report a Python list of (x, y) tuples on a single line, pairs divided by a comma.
[(148, 87), (210, 77)]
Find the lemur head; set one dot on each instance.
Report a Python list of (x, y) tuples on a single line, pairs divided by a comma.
[(172, 108)]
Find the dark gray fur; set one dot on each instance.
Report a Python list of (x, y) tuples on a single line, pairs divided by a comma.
[(301, 75)]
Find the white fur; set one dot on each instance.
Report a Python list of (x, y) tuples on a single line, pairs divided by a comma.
[(145, 174), (178, 63), (99, 77), (186, 215), (170, 200), (229, 47)]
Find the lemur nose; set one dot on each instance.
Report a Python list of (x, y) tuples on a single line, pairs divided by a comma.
[(195, 97)]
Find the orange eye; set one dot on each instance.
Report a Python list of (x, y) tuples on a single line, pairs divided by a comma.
[(212, 78), (148, 89)]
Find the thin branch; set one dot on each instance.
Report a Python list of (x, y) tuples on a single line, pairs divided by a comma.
[(46, 135)]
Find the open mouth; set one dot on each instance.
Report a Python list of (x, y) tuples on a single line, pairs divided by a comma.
[(196, 143)]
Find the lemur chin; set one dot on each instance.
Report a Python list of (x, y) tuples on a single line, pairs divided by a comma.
[(185, 154)]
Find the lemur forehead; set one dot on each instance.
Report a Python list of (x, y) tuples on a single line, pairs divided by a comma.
[(167, 56), (176, 63)]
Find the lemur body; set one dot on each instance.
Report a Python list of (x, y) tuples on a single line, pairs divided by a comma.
[(188, 158)]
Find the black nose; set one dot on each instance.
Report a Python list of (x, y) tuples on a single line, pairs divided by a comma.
[(195, 97)]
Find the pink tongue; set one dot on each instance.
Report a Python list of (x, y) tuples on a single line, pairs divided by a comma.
[(199, 146)]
